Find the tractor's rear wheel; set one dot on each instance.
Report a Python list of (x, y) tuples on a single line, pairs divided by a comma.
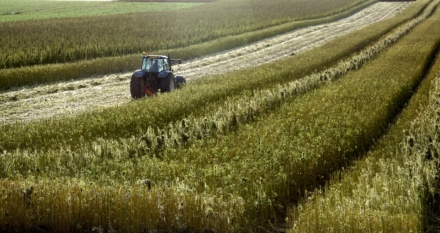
[(136, 87), (167, 84), (180, 81)]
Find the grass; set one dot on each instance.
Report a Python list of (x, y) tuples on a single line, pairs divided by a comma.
[(48, 9), (231, 182), (388, 190), (125, 121), (127, 36)]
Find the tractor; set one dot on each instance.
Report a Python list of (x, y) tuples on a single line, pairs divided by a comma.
[(155, 76)]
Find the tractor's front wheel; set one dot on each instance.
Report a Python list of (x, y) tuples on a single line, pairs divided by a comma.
[(167, 84), (136, 87)]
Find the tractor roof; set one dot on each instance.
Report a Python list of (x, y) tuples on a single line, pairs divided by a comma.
[(155, 56)]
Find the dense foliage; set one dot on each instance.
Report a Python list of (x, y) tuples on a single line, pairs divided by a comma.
[(38, 10), (55, 41), (391, 188), (230, 157), (125, 121), (26, 43)]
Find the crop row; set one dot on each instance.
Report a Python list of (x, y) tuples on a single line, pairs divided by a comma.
[(245, 109), (134, 119), (26, 43), (240, 109), (31, 10), (233, 182), (117, 63), (390, 189)]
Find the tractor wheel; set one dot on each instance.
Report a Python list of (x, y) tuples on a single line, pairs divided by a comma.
[(180, 80), (136, 87), (167, 84)]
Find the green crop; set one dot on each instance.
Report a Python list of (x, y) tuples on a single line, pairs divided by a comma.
[(27, 43), (37, 10), (390, 188), (134, 119), (86, 46), (241, 178)]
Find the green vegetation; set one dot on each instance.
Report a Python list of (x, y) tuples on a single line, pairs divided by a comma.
[(265, 148), (388, 190), (184, 34), (134, 119), (85, 38), (20, 10)]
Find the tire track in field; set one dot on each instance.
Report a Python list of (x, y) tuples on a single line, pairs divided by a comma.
[(46, 101)]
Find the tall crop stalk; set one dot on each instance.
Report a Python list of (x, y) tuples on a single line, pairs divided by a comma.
[(389, 189), (233, 182), (180, 46), (134, 119), (124, 34)]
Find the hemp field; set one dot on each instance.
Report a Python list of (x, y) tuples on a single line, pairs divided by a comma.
[(255, 149)]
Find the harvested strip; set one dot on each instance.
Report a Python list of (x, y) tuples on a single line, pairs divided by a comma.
[(134, 119), (73, 97), (246, 109), (279, 47), (266, 165)]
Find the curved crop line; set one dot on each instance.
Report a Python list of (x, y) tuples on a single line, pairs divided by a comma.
[(414, 182), (183, 135), (246, 109), (24, 162), (49, 73)]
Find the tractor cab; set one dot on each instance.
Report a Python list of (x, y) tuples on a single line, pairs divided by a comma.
[(155, 64), (155, 76)]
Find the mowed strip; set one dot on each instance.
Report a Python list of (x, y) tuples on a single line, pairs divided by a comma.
[(274, 161), (135, 118), (241, 180), (264, 51), (63, 40)]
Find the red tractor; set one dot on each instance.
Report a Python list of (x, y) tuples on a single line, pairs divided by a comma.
[(155, 75)]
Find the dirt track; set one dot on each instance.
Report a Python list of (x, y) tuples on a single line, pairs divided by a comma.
[(31, 103)]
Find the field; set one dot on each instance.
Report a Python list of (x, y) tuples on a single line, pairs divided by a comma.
[(30, 43), (46, 101), (49, 9), (135, 35), (291, 133)]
